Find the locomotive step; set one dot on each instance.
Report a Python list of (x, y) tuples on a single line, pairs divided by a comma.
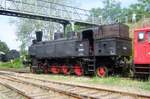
[(91, 65), (143, 67), (91, 70), (91, 60), (142, 72)]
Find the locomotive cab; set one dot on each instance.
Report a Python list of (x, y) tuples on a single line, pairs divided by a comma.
[(142, 51), (88, 35)]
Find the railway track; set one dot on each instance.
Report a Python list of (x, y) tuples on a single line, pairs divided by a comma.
[(30, 90), (25, 70), (77, 91), (7, 92)]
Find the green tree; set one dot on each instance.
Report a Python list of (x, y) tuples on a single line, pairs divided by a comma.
[(27, 27), (145, 4), (112, 9), (3, 47), (141, 9), (110, 12)]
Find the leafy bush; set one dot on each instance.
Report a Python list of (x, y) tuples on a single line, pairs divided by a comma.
[(17, 63), (3, 47)]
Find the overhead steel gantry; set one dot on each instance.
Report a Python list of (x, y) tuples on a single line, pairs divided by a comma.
[(48, 11)]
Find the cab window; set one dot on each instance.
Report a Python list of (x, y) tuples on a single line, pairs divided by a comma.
[(141, 36)]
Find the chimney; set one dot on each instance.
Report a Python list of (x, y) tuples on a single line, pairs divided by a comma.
[(39, 35)]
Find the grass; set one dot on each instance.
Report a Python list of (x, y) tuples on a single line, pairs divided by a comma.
[(122, 82), (108, 81), (11, 64)]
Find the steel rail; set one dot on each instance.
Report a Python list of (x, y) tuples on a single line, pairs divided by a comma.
[(16, 90), (43, 87), (92, 88), (81, 86)]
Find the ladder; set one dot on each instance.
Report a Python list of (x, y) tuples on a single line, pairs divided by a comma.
[(91, 65), (142, 71)]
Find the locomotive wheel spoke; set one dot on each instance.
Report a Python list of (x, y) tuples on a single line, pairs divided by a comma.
[(46, 70), (101, 71), (55, 69), (43, 67), (33, 70), (65, 70), (78, 70)]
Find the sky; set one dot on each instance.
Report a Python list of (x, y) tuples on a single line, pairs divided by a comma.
[(7, 33), (7, 30)]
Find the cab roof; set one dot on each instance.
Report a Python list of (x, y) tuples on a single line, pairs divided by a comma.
[(143, 29)]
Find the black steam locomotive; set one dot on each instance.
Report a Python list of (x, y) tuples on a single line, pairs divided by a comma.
[(100, 50)]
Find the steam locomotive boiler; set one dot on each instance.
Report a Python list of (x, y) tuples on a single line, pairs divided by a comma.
[(100, 50)]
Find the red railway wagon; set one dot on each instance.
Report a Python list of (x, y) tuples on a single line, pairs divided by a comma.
[(142, 52)]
